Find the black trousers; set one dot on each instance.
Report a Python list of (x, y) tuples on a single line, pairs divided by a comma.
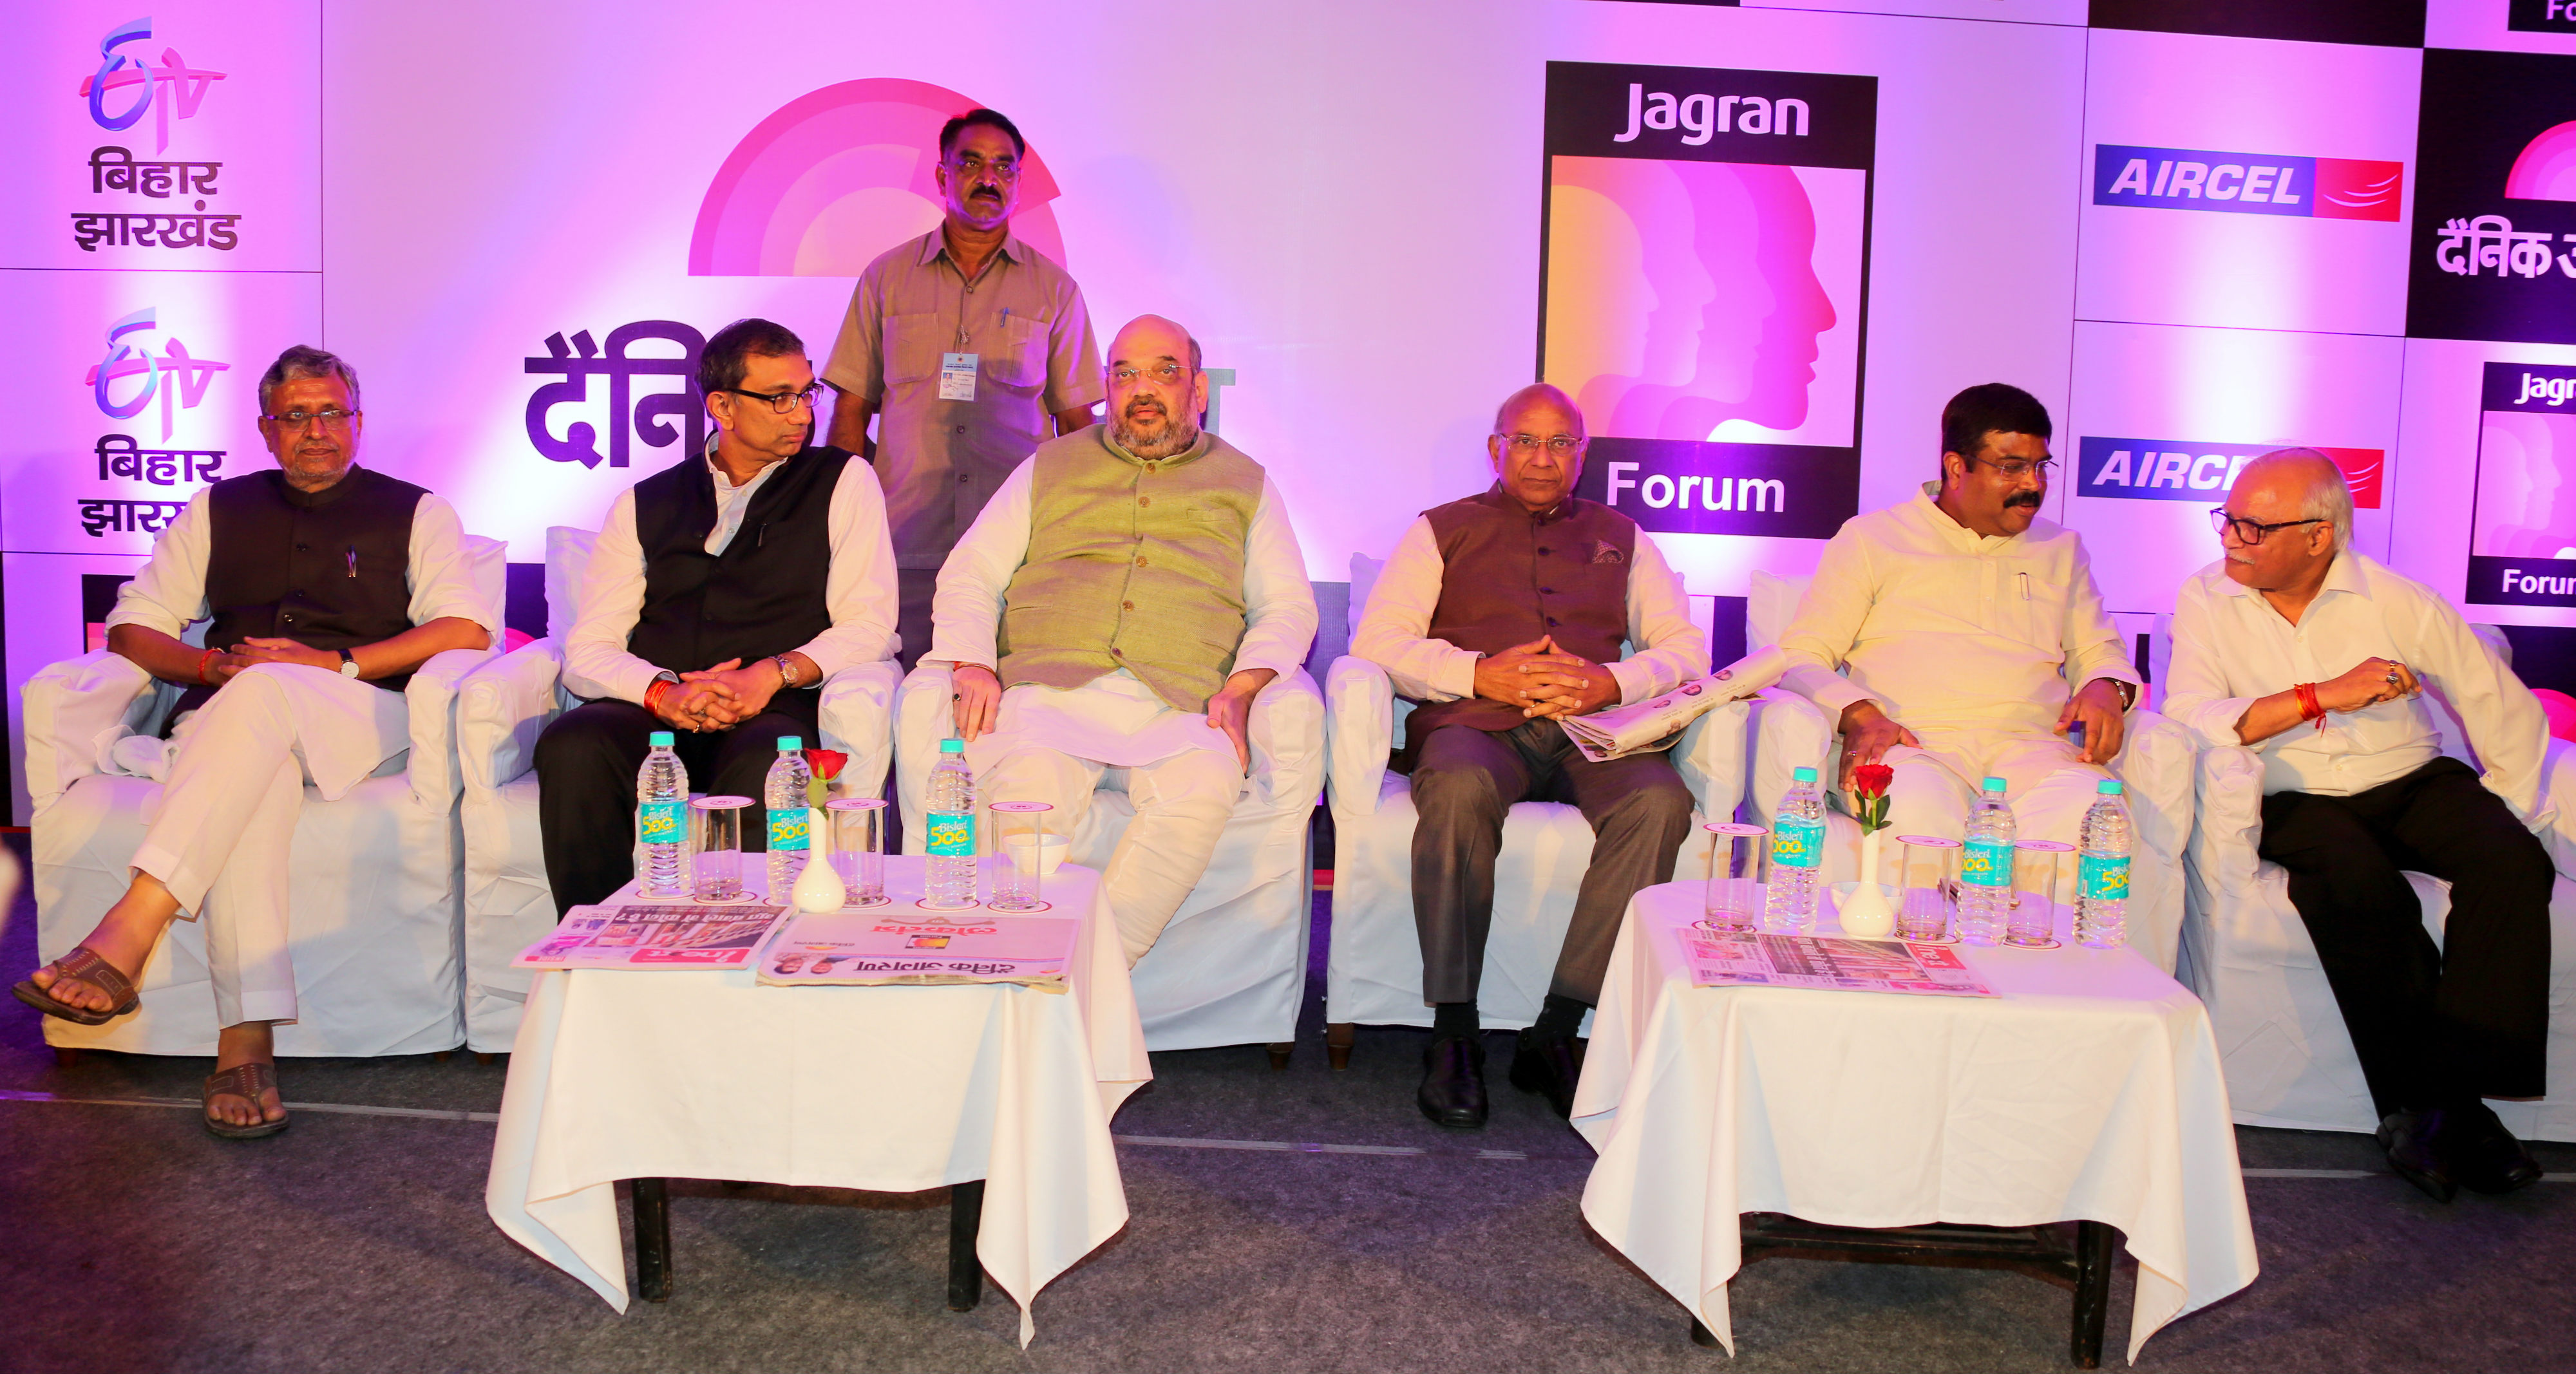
[(1465, 779), (2433, 1025), (586, 766)]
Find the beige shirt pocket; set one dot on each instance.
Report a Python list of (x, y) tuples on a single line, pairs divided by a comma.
[(913, 344), (1020, 358)]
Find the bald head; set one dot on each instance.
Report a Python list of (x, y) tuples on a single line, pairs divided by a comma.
[(1156, 391), (1537, 447), (2302, 481), (1507, 415), (2296, 502)]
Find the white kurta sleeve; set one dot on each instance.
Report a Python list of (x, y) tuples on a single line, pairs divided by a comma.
[(2507, 728), (169, 594), (2196, 686), (441, 575), (1674, 650), (596, 663), (1828, 624), (1278, 602), (2094, 647), (860, 590), (1395, 623), (966, 611)]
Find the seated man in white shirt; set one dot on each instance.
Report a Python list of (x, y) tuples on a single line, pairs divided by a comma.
[(1970, 636), (327, 584), (2356, 789), (723, 592), (1112, 614), (1502, 613)]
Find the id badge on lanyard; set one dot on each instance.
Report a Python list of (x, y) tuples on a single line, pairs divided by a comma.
[(957, 376)]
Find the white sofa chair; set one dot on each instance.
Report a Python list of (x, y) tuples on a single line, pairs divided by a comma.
[(502, 708), (1373, 972), (2281, 1040), (373, 904), (1230, 969), (2154, 767)]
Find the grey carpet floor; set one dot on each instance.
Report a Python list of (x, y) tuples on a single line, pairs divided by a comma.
[(358, 1242)]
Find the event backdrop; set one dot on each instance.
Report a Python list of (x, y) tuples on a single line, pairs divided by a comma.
[(1761, 244)]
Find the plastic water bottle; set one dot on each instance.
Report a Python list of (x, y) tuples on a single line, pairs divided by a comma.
[(2102, 872), (1986, 867), (1797, 856), (951, 825), (662, 818), (791, 826)]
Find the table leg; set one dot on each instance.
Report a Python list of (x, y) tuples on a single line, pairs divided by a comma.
[(965, 1271), (1338, 1038), (652, 1240), (1701, 1335), (1280, 1052), (2092, 1291)]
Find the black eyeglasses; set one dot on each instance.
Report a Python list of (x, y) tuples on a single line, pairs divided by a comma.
[(785, 401), (2250, 531)]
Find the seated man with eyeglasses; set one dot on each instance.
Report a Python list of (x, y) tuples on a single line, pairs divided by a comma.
[(1499, 614), (1111, 615), (722, 594), (2357, 790), (1959, 637), (326, 585)]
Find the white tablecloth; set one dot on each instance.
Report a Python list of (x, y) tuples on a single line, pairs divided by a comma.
[(891, 1089), (2089, 1091)]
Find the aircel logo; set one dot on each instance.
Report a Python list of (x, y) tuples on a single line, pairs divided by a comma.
[(2196, 470), (2247, 183), (1705, 116)]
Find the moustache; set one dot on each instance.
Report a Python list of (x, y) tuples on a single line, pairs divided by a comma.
[(2027, 498)]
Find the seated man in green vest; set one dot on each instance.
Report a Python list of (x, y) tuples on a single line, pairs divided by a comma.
[(1499, 614), (1111, 615)]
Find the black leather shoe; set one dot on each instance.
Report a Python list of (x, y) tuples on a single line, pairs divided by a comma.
[(2483, 1155), (1547, 1066), (1453, 1082), (2410, 1140)]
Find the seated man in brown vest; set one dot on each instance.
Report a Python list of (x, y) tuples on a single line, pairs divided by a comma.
[(327, 584), (1499, 614), (1111, 615), (724, 591)]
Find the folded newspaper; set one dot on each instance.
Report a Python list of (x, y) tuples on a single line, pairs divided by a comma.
[(653, 937), (905, 945), (1812, 961), (1657, 724)]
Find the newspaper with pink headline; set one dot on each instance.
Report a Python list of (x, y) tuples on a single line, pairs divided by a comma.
[(662, 936), (904, 944), (1657, 723), (1816, 961)]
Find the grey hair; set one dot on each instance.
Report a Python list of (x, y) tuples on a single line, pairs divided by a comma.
[(302, 363), (2328, 497)]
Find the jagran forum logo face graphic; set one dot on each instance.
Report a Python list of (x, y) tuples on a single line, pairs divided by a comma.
[(2200, 471), (2522, 533), (174, 377), (2247, 183), (1706, 248), (126, 86), (2494, 256)]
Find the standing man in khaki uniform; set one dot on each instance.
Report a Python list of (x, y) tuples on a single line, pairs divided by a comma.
[(974, 348)]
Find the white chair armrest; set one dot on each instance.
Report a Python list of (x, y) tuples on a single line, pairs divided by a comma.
[(430, 697), (1710, 757), (71, 709), (1788, 733), (922, 718), (2156, 765), (858, 720), (2227, 819), (2557, 789), (1286, 733), (1359, 729), (501, 708)]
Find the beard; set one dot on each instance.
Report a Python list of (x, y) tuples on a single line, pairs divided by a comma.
[(1175, 436)]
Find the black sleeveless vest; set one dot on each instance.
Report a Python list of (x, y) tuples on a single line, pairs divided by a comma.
[(330, 569), (764, 595)]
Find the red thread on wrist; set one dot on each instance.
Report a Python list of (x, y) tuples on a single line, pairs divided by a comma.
[(2309, 707), (207, 657), (653, 695)]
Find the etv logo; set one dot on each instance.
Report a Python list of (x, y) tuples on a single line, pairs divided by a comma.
[(174, 376), (2195, 470), (2247, 183), (186, 85)]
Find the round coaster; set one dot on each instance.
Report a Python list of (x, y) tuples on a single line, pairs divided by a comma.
[(1019, 910)]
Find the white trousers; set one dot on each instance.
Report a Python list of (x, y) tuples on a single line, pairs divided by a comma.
[(2047, 786), (223, 839), (1182, 804)]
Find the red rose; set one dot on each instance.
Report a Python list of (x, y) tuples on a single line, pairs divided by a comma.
[(1870, 780), (827, 763)]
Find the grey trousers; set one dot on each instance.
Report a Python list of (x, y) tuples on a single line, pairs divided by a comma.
[(1465, 779)]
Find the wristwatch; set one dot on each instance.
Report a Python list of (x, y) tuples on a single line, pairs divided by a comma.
[(786, 670), (348, 664)]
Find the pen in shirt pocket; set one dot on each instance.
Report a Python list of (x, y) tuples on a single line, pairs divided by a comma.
[(2025, 585), (353, 560)]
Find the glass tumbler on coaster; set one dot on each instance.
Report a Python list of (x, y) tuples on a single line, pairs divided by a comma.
[(1923, 914), (2032, 922), (1734, 905), (715, 848), (1022, 848), (858, 848)]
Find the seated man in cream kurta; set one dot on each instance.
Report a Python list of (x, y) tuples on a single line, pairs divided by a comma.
[(1111, 615), (1970, 637)]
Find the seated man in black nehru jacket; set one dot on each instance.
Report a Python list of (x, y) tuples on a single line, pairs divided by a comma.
[(326, 585), (1499, 614), (724, 591)]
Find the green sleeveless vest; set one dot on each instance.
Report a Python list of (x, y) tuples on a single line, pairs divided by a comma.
[(1133, 563)]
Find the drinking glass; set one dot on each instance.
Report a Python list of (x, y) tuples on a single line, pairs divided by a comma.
[(2032, 921), (858, 848), (715, 848), (1020, 846), (1924, 912), (1734, 902)]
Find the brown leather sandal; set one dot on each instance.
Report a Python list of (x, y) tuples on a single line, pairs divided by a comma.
[(245, 1081), (84, 964)]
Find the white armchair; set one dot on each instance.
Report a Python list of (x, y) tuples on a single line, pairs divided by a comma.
[(1230, 969), (503, 707), (2281, 1039), (373, 910), (2154, 766)]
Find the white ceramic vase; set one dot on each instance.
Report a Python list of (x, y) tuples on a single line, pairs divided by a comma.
[(818, 884), (1868, 914)]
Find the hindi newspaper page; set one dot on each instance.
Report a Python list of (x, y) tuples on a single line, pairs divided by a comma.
[(1812, 961), (904, 945), (661, 936)]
